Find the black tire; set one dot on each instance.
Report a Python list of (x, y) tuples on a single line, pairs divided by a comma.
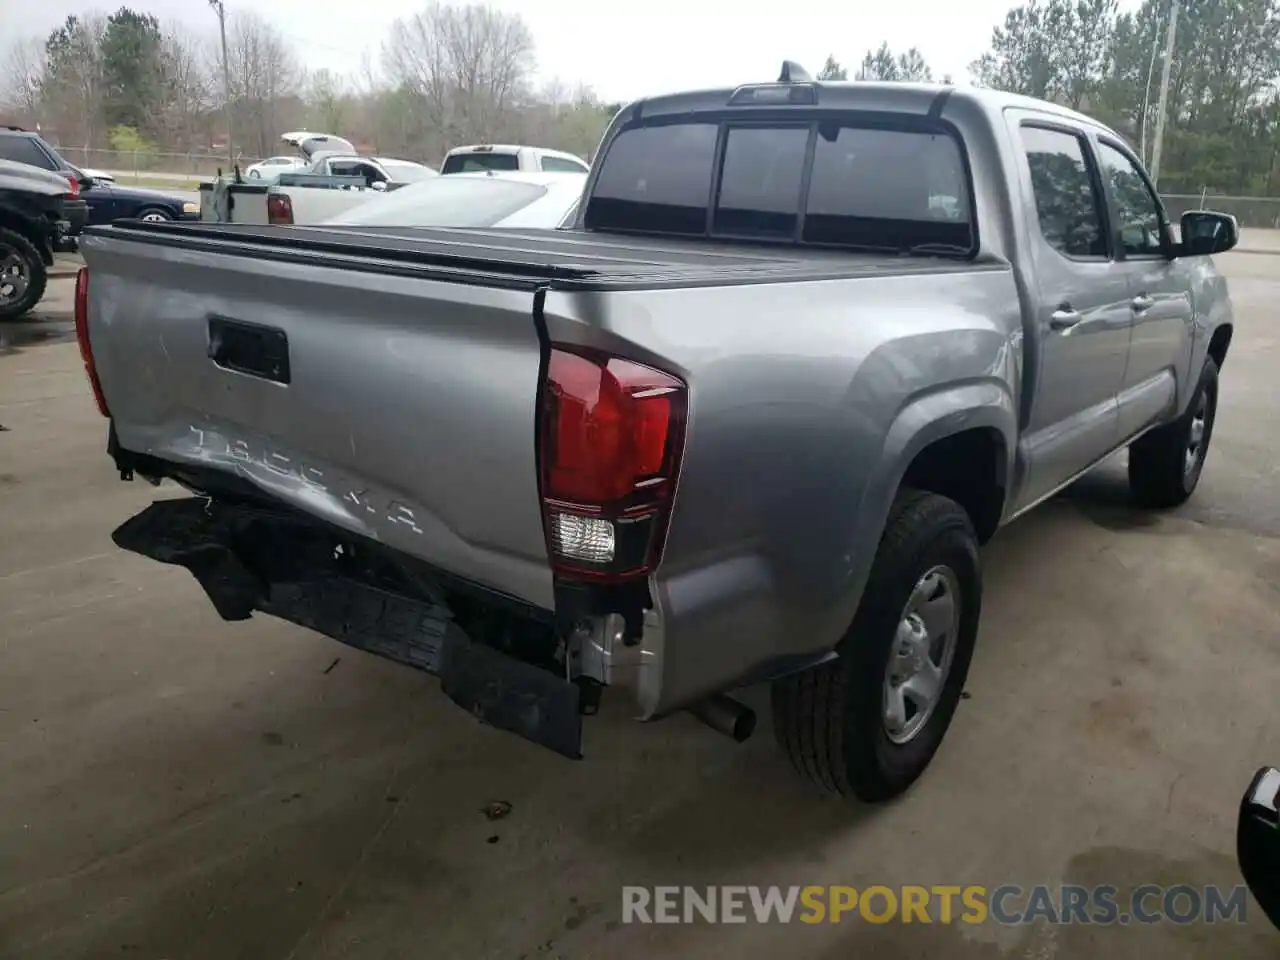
[(830, 720), (1162, 472), (155, 213), (15, 245)]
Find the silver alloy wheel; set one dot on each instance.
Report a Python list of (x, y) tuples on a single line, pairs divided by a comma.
[(1195, 442), (15, 276), (154, 216), (923, 649)]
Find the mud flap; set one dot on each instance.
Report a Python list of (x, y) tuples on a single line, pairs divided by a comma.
[(248, 560)]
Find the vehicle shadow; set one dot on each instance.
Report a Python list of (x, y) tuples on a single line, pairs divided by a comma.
[(341, 800)]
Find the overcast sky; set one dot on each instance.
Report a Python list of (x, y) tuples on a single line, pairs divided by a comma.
[(624, 48)]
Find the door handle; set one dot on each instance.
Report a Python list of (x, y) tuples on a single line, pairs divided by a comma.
[(1064, 318), (1141, 303)]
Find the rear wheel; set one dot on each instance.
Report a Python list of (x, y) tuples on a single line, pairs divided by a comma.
[(868, 723), (154, 215), (1165, 464), (22, 275)]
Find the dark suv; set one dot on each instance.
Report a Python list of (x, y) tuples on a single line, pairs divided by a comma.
[(26, 146)]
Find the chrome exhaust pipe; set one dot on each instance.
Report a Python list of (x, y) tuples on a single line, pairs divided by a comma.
[(725, 715)]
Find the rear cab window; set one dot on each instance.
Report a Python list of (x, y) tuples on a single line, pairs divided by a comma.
[(480, 162), (891, 185)]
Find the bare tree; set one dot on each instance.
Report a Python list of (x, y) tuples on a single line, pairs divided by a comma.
[(329, 100), (71, 89), (467, 68), (264, 73), (186, 86), (23, 70)]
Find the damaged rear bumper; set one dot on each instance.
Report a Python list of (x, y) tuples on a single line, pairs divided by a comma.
[(250, 558)]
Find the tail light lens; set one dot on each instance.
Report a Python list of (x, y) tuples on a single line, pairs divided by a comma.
[(75, 187), (279, 209), (82, 336), (611, 438)]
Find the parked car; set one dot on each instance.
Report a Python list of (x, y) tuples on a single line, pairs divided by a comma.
[(111, 201), (1258, 840), (273, 166), (748, 421), (508, 157), (334, 181), (372, 170), (26, 146), (32, 218), (513, 200)]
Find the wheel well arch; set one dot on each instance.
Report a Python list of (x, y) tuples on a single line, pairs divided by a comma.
[(969, 467), (1219, 343), (24, 226)]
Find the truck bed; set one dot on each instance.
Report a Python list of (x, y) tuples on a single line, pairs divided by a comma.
[(385, 380), (529, 259)]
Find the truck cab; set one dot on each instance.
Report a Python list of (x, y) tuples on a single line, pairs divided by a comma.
[(477, 158), (806, 348)]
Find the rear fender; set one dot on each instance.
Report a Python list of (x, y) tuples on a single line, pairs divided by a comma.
[(925, 420)]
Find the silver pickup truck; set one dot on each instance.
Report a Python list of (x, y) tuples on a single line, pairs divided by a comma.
[(808, 346)]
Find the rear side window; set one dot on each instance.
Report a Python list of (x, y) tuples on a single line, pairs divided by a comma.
[(1067, 202), (868, 187), (480, 162), (561, 165), (25, 150), (656, 179)]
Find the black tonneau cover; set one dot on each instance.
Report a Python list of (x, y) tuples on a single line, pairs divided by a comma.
[(558, 259)]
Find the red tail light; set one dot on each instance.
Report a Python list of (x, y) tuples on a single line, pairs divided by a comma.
[(82, 335), (75, 186), (279, 209), (611, 440)]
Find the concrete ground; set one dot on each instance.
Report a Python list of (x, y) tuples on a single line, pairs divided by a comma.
[(172, 786)]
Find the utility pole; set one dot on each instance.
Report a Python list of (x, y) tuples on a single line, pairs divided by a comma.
[(1146, 95), (220, 8), (1164, 92)]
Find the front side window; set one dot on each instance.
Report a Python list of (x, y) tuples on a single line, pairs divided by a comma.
[(1067, 203), (1140, 224)]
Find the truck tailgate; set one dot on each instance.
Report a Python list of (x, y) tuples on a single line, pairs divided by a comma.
[(399, 407)]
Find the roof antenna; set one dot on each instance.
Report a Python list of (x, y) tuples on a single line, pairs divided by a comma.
[(792, 72)]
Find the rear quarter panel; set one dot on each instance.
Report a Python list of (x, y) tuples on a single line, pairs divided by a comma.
[(807, 402)]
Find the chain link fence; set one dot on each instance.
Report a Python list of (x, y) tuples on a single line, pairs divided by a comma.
[(1256, 212), (142, 166)]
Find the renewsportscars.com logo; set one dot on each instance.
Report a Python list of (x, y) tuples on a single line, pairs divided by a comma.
[(1006, 905)]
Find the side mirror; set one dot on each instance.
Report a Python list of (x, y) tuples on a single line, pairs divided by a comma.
[(1205, 233), (1258, 841), (380, 185)]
